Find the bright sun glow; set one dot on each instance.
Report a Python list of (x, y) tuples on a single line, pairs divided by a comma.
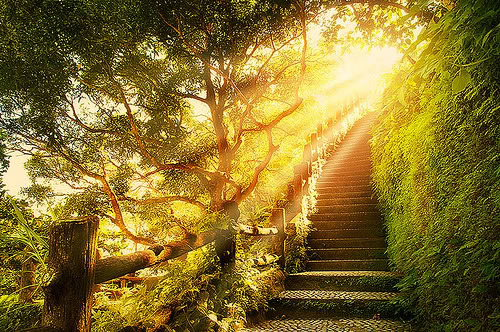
[(360, 73)]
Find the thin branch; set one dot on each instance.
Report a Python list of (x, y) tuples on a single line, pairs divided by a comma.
[(165, 199)]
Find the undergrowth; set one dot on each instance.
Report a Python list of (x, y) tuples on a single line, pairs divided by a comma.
[(436, 154), (194, 294)]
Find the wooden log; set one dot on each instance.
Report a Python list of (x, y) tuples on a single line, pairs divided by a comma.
[(71, 263), (265, 260), (116, 266), (257, 230)]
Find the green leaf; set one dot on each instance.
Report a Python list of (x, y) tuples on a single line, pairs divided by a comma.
[(461, 81), (485, 38)]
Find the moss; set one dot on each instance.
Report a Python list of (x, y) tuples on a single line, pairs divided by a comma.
[(436, 156)]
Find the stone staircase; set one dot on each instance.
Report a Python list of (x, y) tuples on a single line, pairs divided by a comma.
[(347, 285)]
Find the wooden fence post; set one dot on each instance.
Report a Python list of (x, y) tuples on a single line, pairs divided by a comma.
[(319, 130), (278, 220), (71, 262), (307, 157), (297, 183), (225, 246), (314, 146)]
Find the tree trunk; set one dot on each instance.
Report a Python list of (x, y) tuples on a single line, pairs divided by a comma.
[(71, 262)]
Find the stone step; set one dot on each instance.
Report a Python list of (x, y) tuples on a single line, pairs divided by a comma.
[(345, 201), (348, 154), (346, 233), (344, 280), (346, 253), (325, 303), (348, 165), (344, 188), (346, 171), (340, 181), (334, 208), (353, 224), (330, 324), (372, 242), (354, 177), (347, 195), (345, 216), (348, 265)]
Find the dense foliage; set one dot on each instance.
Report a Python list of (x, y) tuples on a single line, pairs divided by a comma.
[(437, 154), (194, 294), (154, 114)]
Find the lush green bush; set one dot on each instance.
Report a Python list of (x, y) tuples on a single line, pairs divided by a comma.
[(15, 316), (195, 294), (436, 153)]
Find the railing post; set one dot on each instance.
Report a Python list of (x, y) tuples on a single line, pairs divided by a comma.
[(297, 183), (314, 146), (319, 130), (278, 220), (307, 157), (330, 130), (225, 246), (303, 170), (71, 263)]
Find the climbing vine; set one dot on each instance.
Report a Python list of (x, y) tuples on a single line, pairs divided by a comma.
[(436, 153)]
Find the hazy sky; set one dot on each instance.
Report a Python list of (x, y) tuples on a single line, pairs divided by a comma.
[(16, 176)]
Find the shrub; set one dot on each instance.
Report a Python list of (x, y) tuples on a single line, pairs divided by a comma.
[(436, 171)]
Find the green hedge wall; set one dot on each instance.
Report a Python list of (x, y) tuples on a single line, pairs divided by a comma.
[(436, 154)]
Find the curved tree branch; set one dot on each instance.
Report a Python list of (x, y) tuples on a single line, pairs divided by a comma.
[(165, 199)]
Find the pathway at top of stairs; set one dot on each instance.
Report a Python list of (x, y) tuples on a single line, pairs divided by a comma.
[(348, 285)]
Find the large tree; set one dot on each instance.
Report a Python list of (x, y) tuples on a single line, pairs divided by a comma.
[(109, 96)]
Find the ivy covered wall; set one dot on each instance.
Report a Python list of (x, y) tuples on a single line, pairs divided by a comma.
[(436, 153)]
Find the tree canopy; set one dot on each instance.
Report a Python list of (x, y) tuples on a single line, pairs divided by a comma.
[(132, 104)]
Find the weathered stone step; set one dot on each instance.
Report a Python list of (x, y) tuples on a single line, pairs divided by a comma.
[(325, 303), (343, 188), (368, 281), (344, 216), (349, 153), (331, 324), (352, 224), (346, 233), (346, 171), (349, 177), (339, 181), (346, 253), (348, 265), (374, 242), (345, 200), (357, 163), (345, 194), (334, 208)]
